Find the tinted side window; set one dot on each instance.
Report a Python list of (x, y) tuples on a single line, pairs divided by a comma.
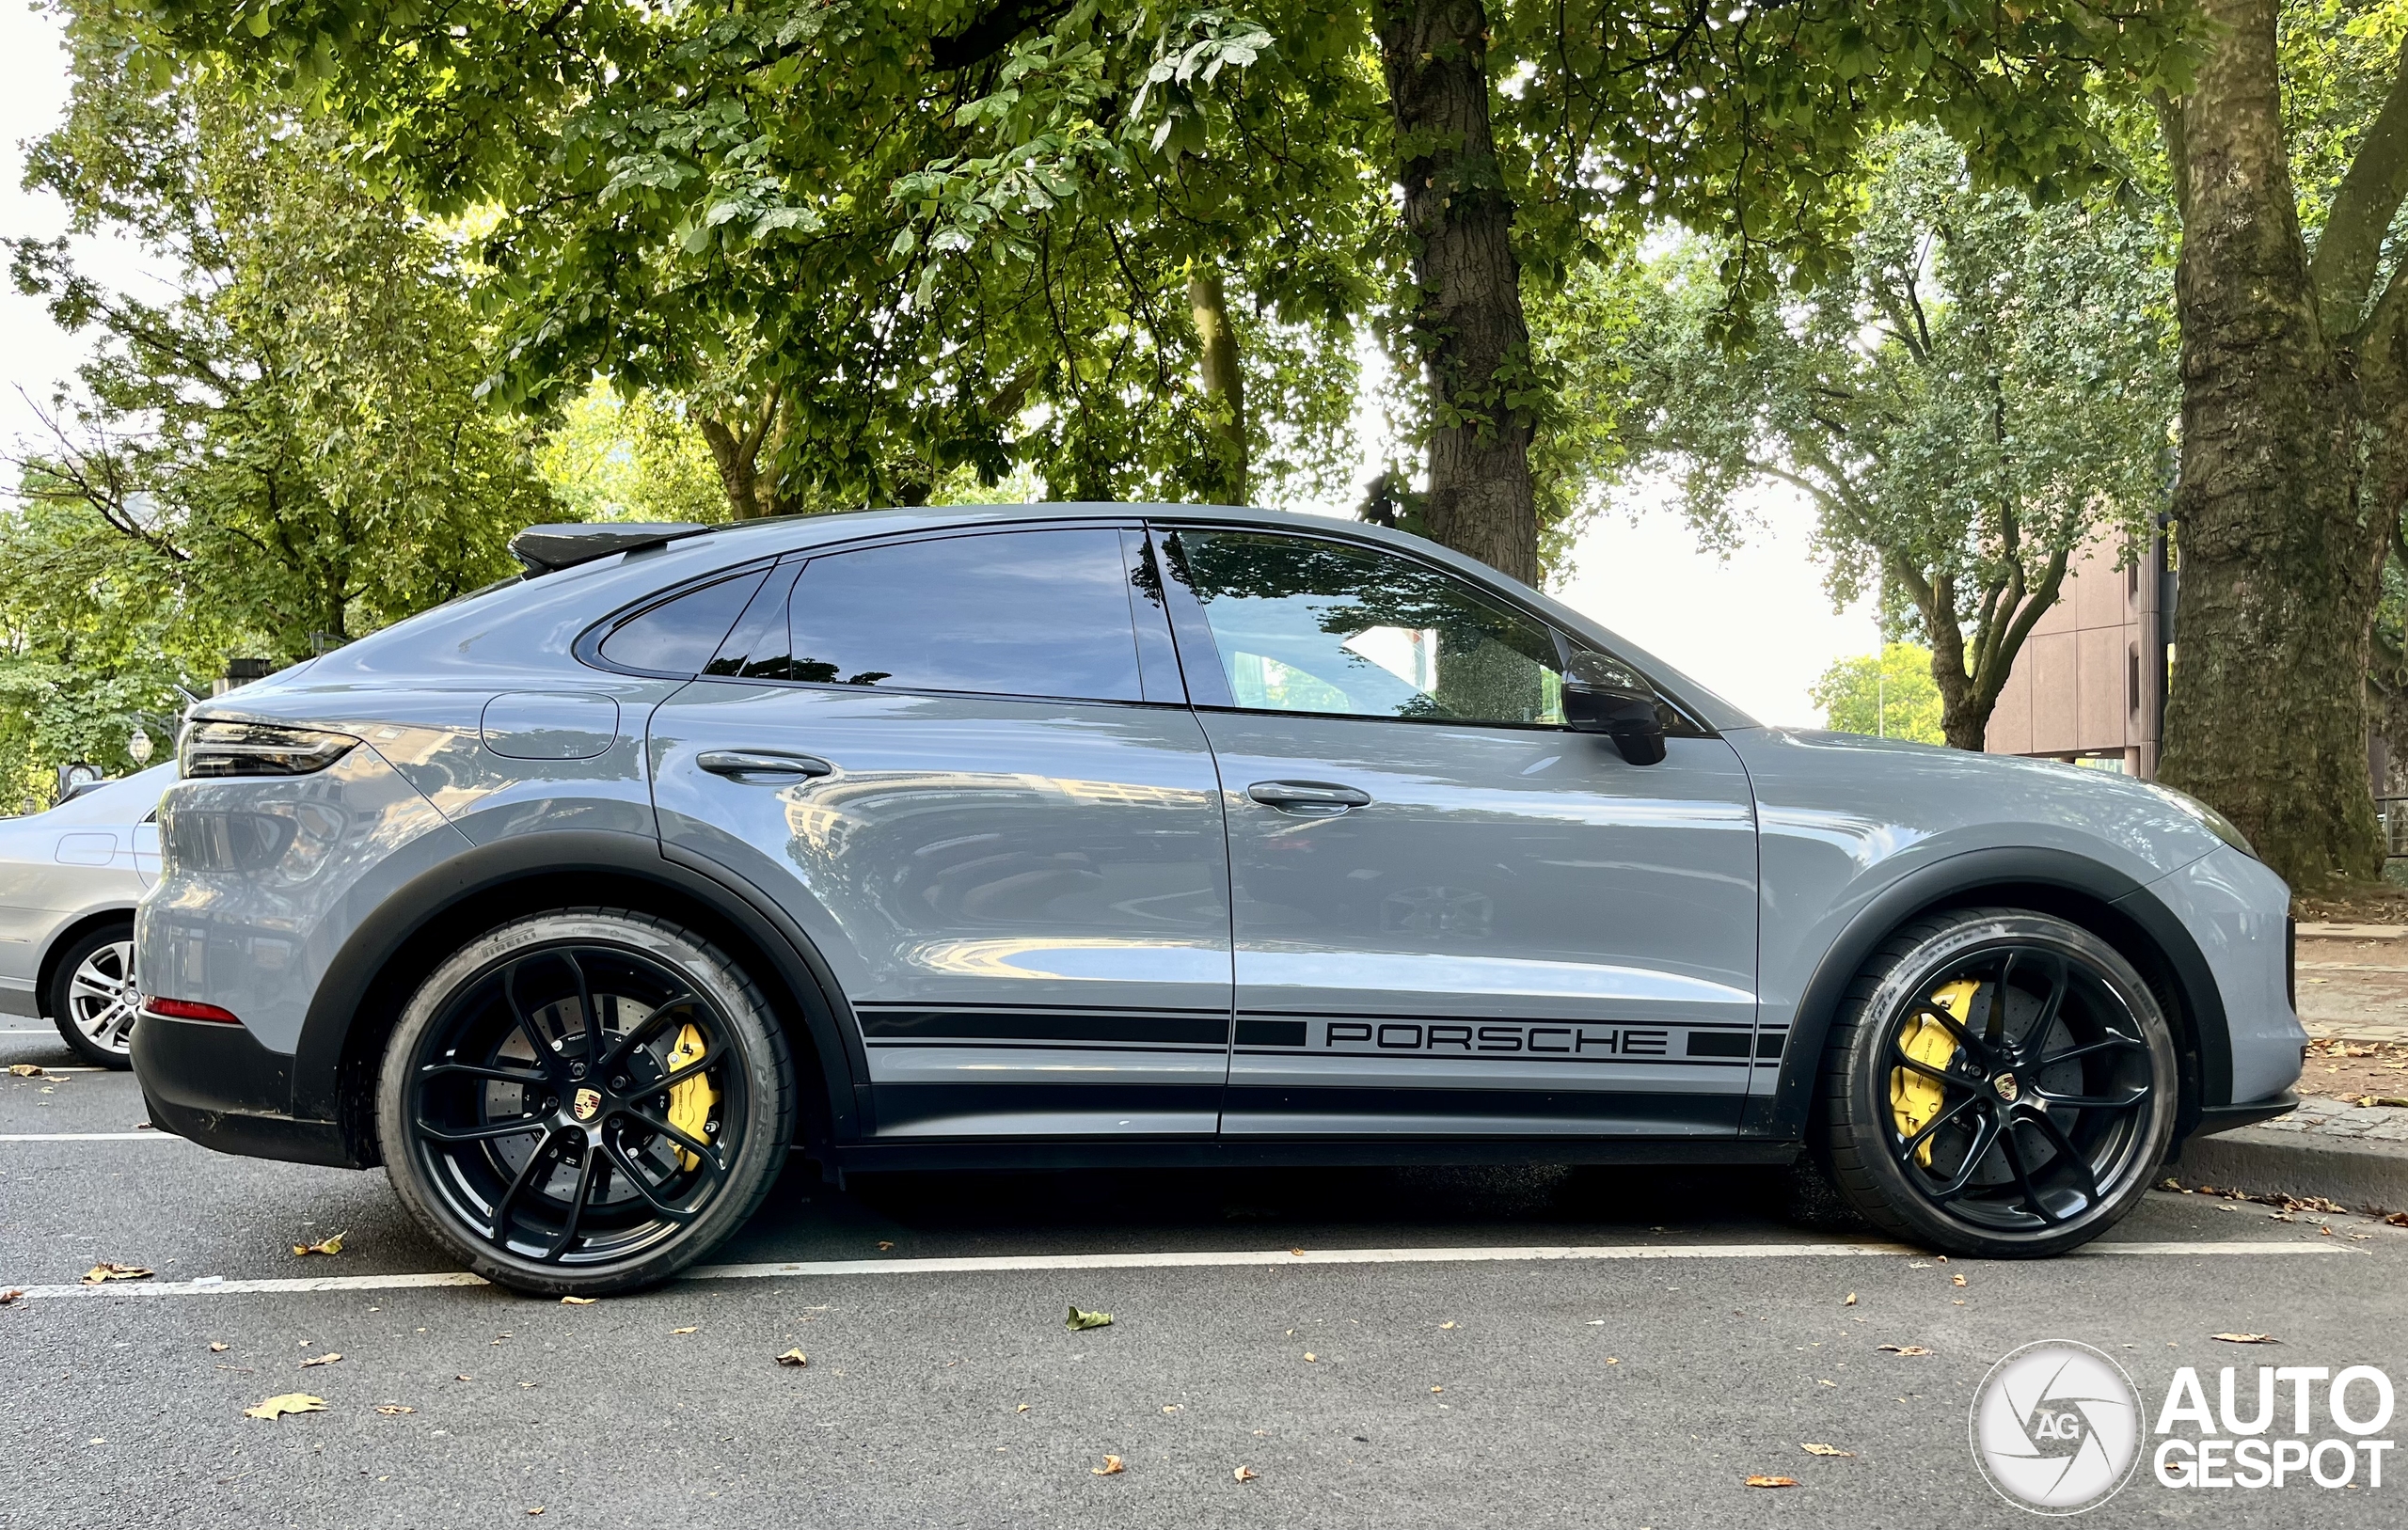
[(680, 636), (1303, 625), (1017, 613)]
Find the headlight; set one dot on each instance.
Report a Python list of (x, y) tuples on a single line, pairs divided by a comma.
[(2216, 823), (257, 749)]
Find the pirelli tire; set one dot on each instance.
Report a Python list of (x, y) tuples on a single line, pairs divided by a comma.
[(1998, 1082), (584, 1101)]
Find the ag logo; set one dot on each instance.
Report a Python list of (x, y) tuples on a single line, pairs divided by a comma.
[(586, 1103), (2056, 1427)]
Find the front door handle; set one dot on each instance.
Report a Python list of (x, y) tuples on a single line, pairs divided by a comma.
[(1307, 798), (762, 765)]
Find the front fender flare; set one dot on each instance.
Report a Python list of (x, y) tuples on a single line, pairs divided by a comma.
[(2067, 884)]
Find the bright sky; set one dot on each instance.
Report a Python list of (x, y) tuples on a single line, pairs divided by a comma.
[(1756, 627)]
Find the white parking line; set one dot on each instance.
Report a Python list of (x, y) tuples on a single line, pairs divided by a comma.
[(996, 1264), (89, 1137)]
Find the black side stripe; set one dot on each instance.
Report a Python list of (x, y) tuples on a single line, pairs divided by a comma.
[(1207, 1029)]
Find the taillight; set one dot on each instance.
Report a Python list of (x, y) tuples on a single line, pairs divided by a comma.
[(257, 749), (188, 1009)]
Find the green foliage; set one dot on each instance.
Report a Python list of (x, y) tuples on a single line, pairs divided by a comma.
[(949, 234), (284, 451), (614, 459), (1979, 388), (1893, 697)]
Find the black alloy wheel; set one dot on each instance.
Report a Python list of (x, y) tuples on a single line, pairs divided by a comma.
[(585, 1101), (2001, 1084)]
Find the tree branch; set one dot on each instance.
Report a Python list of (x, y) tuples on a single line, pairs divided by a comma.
[(2342, 269)]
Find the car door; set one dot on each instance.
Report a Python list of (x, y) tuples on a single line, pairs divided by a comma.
[(1452, 915), (965, 765)]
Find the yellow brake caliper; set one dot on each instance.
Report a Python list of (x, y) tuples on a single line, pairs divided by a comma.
[(1916, 1097), (691, 1099)]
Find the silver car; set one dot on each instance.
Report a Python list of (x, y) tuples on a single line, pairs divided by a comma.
[(1084, 834), (69, 879)]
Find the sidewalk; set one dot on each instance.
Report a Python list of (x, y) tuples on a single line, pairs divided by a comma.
[(2353, 1000)]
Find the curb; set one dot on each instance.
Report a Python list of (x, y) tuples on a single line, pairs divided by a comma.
[(2263, 1160)]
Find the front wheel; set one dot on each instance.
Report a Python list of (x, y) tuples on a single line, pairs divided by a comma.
[(585, 1101), (2000, 1083)]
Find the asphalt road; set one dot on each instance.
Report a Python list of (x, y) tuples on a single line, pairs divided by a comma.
[(1418, 1390)]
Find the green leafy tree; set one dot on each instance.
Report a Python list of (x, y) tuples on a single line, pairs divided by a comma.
[(284, 451), (1892, 696), (1974, 388), (982, 232)]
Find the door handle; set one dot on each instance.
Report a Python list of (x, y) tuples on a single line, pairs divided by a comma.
[(1307, 798), (762, 765)]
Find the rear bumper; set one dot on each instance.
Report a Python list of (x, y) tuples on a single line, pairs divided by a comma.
[(2215, 1118), (216, 1085)]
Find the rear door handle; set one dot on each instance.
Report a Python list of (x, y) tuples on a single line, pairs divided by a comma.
[(1307, 798), (762, 765)]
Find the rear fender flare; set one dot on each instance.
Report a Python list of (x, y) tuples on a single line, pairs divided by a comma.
[(359, 986)]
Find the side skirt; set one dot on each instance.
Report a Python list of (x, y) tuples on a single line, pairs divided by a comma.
[(1274, 1152)]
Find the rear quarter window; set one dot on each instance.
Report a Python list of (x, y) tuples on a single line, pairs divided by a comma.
[(679, 636)]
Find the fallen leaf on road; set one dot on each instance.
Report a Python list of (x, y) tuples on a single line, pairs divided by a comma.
[(392, 1410), (1906, 1348), (1170, 1408), (1819, 1381), (1296, 1253), (1021, 1409), (287, 1402), (1078, 1321), (216, 1349), (579, 1301), (532, 1512), (323, 1245), (1955, 1280), (2398, 1219), (1772, 1482), (9, 1295), (1437, 1388), (1111, 1467), (1613, 1359), (109, 1270), (2381, 1099), (25, 1070), (1247, 1473), (1850, 1301), (1450, 1324), (1311, 1357), (464, 1377), (2246, 1338), (1812, 1449), (794, 1357), (884, 1245), (694, 1329), (326, 1359)]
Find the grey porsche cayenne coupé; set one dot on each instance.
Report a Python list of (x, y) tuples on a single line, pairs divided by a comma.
[(1109, 834)]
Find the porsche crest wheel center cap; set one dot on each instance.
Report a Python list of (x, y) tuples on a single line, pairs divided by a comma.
[(588, 1101), (2005, 1083)]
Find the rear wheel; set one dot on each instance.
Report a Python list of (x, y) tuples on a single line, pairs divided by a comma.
[(91, 996), (585, 1101), (2000, 1083)]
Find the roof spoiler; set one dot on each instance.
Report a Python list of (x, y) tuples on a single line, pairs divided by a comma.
[(543, 548)]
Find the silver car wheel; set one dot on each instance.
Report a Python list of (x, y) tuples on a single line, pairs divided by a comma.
[(100, 999)]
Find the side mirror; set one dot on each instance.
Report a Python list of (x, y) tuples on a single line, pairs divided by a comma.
[(1627, 717)]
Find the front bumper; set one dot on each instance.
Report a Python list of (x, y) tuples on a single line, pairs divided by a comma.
[(2215, 1118), (216, 1084)]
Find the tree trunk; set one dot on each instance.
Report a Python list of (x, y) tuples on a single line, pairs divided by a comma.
[(735, 451), (2280, 555), (1224, 383), (1468, 324)]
